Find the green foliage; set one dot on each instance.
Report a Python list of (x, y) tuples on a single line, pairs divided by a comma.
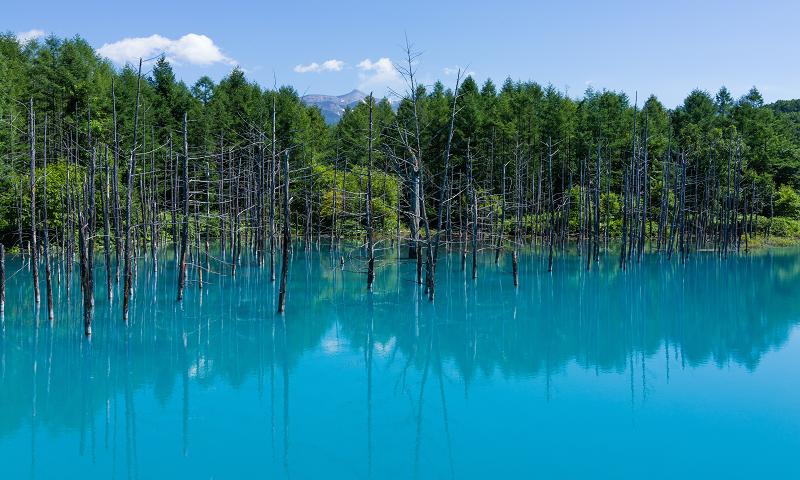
[(509, 124), (350, 189), (787, 203), (779, 227)]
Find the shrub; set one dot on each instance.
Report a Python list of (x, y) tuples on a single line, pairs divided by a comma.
[(787, 203)]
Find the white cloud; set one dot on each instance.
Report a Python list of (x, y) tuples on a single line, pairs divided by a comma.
[(311, 67), (331, 65), (25, 37), (191, 48), (379, 75)]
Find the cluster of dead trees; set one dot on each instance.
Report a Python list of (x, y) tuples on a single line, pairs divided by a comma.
[(210, 210)]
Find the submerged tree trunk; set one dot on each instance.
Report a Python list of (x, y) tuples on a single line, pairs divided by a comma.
[(115, 185), (272, 186), (444, 201), (2, 282), (474, 212), (128, 286), (286, 235), (645, 195), (552, 205), (45, 233), (515, 267), (622, 247), (34, 246), (413, 246), (368, 206), (106, 227), (86, 274), (85, 244), (597, 209), (185, 219), (499, 245)]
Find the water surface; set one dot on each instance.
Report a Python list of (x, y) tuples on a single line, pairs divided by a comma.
[(664, 371)]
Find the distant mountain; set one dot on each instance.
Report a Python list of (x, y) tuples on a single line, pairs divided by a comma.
[(331, 106)]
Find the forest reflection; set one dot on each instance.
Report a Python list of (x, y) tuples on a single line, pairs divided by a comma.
[(709, 311)]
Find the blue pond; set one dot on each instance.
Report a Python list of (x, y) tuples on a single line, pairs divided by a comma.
[(663, 371)]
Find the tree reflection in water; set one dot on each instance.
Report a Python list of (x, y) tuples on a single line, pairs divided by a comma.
[(645, 323)]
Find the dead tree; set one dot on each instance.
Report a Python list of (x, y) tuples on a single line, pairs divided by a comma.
[(499, 245), (645, 193), (413, 147), (597, 208), (115, 185), (664, 214), (623, 237), (272, 187), (682, 210), (286, 235), (2, 282), (85, 245), (185, 219), (34, 246), (104, 197), (91, 213), (128, 286), (444, 192), (45, 232), (518, 217), (368, 205), (551, 232), (85, 273), (474, 211)]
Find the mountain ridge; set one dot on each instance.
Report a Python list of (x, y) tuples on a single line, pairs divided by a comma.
[(333, 106)]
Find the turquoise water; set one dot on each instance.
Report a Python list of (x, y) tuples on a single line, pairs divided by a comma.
[(665, 371)]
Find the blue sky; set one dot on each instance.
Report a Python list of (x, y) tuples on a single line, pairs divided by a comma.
[(663, 47)]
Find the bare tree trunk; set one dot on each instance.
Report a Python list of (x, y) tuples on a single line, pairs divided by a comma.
[(683, 209), (128, 286), (286, 235), (273, 165), (552, 205), (185, 219), (45, 233), (645, 193), (220, 194), (91, 213), (235, 236), (153, 208), (736, 181), (415, 214), (334, 225), (2, 282), (69, 229), (499, 245), (173, 203), (444, 200), (474, 212), (368, 206), (86, 273), (623, 237), (198, 264), (597, 208), (662, 223), (115, 184), (106, 228), (86, 244), (34, 245)]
